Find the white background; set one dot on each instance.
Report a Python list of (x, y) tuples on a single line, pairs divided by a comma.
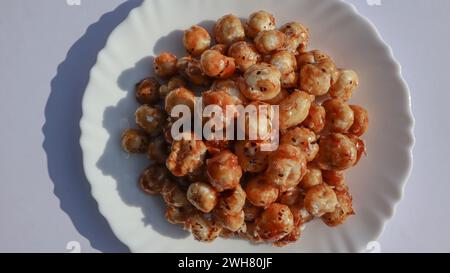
[(44, 197)]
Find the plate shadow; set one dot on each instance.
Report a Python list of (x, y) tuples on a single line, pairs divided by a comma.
[(62, 132)]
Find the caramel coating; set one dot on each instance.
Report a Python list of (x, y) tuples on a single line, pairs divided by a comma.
[(173, 83), (250, 156), (258, 121), (231, 87), (134, 141), (203, 227), (261, 82), (158, 150), (153, 179), (173, 195), (228, 29), (147, 91), (286, 167), (336, 152), (343, 209), (304, 139), (186, 156), (251, 211), (220, 47), (294, 109), (312, 57), (232, 222), (203, 196), (215, 64), (165, 65), (150, 119), (339, 115), (361, 120), (244, 54), (320, 199), (224, 171), (313, 177), (286, 63), (346, 83), (260, 192), (333, 178), (179, 96), (196, 39), (281, 96), (316, 118), (269, 40), (177, 215), (314, 79), (232, 201), (259, 21), (360, 146), (297, 36), (275, 222), (190, 68)]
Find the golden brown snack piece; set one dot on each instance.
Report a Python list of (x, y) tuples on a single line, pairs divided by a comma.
[(174, 195), (259, 21), (173, 83), (286, 167), (153, 179), (244, 54), (232, 201), (179, 96), (343, 209), (203, 227), (275, 222), (251, 211), (281, 96), (165, 65), (158, 150), (316, 118), (261, 82), (336, 152), (196, 40), (361, 120), (232, 222), (286, 63), (251, 157), (304, 139), (268, 41), (179, 215), (147, 91), (312, 178), (224, 171), (190, 68), (360, 146), (186, 156), (134, 141), (333, 178), (231, 87), (150, 119), (294, 109), (228, 29), (216, 65), (339, 115), (202, 196), (346, 83), (297, 36), (320, 199), (260, 192)]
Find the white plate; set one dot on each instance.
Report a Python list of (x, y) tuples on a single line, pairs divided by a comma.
[(138, 220)]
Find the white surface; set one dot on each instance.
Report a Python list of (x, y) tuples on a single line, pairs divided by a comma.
[(109, 103), (36, 37)]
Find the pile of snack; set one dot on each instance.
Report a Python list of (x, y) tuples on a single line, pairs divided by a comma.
[(234, 188)]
